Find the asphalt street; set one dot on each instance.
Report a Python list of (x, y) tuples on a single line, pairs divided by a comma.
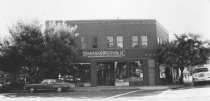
[(83, 95), (189, 93)]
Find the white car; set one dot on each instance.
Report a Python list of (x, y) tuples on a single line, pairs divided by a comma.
[(201, 75)]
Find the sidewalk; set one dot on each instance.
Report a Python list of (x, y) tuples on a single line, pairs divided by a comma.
[(116, 88)]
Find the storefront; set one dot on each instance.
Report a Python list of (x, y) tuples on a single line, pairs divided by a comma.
[(119, 52), (118, 68), (119, 73)]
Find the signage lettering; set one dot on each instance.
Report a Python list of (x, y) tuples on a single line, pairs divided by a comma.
[(103, 53)]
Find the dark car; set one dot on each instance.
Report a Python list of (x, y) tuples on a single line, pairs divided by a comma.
[(5, 87), (5, 84), (49, 84)]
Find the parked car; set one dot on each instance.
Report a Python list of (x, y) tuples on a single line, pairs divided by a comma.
[(49, 84), (5, 87), (5, 84), (201, 75), (71, 79)]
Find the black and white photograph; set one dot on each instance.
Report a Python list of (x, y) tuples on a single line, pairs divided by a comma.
[(104, 50)]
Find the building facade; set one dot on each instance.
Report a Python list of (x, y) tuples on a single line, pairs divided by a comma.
[(120, 52)]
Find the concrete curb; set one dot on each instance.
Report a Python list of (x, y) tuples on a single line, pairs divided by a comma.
[(146, 88), (104, 89), (181, 86), (119, 89)]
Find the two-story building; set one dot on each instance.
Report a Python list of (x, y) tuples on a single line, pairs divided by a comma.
[(120, 52)]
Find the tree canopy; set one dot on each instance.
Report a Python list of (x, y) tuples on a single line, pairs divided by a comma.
[(29, 46), (187, 50)]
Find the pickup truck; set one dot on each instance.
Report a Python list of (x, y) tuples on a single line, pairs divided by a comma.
[(49, 84)]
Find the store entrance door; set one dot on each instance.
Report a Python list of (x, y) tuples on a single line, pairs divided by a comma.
[(105, 73)]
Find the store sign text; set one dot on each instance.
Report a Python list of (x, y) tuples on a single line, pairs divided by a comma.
[(104, 53)]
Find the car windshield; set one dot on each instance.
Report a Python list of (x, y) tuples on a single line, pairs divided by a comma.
[(200, 70)]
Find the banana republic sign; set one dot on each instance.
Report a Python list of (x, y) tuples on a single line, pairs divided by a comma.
[(114, 53)]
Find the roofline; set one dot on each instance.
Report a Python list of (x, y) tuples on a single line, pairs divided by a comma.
[(106, 20)]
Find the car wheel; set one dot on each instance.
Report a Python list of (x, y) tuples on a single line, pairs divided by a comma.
[(31, 90), (195, 83), (59, 89)]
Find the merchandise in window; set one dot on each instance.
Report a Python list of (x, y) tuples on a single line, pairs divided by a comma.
[(129, 71)]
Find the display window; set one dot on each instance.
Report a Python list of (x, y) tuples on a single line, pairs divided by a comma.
[(129, 71)]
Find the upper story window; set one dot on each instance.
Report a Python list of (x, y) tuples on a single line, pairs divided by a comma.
[(59, 23), (158, 40), (84, 42), (94, 42), (110, 41), (119, 41), (161, 41), (144, 41), (135, 41)]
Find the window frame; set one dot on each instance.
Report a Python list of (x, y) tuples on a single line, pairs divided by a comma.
[(158, 40), (84, 41), (108, 45), (119, 42), (93, 41), (144, 41), (135, 41)]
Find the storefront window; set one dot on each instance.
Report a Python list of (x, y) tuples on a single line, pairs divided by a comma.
[(129, 71)]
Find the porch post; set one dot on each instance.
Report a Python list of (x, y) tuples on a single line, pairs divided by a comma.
[(93, 72)]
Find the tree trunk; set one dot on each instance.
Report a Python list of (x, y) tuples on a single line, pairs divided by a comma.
[(168, 75), (13, 77), (181, 77)]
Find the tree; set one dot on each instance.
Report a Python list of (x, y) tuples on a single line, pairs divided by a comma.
[(186, 50), (35, 52), (10, 59), (61, 48), (24, 48)]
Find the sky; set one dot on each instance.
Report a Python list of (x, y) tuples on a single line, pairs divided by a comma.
[(177, 16)]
